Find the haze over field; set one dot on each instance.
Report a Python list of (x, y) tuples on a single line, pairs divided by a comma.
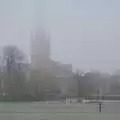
[(84, 33)]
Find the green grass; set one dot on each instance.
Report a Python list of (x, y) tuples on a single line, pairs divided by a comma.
[(81, 116), (41, 111)]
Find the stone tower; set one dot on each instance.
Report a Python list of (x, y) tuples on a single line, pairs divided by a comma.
[(40, 48)]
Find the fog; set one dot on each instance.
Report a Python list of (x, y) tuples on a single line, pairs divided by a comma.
[(83, 33)]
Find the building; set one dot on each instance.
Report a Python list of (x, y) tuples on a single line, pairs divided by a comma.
[(40, 49), (40, 58)]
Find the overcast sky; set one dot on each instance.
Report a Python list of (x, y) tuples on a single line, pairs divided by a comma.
[(85, 33)]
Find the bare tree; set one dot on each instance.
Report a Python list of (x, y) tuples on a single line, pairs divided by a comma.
[(13, 75)]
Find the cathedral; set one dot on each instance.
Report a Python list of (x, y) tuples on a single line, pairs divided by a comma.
[(40, 59)]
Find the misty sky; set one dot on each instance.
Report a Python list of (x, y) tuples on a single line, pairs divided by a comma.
[(85, 33)]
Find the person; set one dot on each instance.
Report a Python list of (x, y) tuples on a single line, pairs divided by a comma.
[(100, 106)]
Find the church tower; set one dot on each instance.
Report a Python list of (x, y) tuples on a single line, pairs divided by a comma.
[(40, 49)]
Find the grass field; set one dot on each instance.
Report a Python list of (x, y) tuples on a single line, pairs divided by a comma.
[(42, 111), (66, 116)]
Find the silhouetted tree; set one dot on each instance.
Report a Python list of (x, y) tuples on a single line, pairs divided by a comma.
[(14, 77)]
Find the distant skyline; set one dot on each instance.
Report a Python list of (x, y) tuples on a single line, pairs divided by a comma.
[(83, 32)]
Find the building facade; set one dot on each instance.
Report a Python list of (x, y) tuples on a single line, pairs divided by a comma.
[(40, 58)]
